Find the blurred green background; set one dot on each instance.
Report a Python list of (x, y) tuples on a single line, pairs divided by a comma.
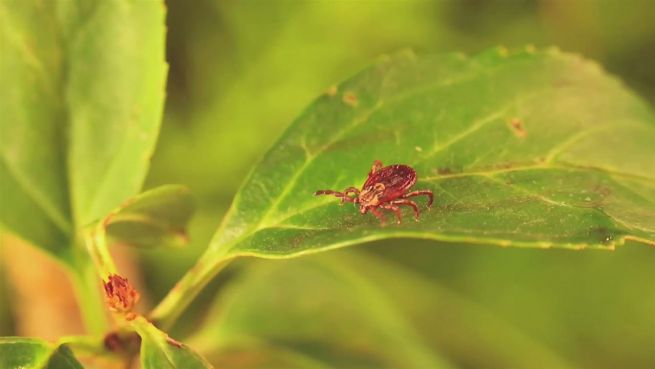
[(241, 71)]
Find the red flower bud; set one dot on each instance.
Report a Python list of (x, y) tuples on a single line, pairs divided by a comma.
[(121, 295)]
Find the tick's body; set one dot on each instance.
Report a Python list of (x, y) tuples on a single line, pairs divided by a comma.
[(384, 188)]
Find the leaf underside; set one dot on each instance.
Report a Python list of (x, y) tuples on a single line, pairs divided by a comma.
[(528, 148), (158, 351), (154, 218)]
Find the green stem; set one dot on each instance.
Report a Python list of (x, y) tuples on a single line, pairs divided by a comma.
[(90, 299), (95, 239), (186, 289)]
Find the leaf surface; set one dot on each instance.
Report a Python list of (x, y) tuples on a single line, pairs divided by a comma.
[(29, 353), (81, 118), (158, 351), (528, 148)]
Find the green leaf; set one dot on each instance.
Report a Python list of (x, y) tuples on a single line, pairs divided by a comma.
[(520, 149), (350, 310), (158, 351), (81, 118), (154, 218), (29, 353)]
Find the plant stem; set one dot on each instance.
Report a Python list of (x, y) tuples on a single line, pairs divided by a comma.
[(95, 239), (186, 289), (87, 288)]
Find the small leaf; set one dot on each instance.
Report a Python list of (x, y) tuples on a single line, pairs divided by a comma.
[(520, 149), (154, 218), (158, 351), (30, 353), (81, 118)]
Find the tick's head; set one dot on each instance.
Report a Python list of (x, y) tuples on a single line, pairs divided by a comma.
[(370, 197)]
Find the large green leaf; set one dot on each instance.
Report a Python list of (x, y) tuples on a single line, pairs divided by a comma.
[(355, 311), (29, 353), (81, 113), (158, 351), (538, 149), (528, 148)]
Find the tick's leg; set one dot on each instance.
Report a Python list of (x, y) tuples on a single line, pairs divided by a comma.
[(329, 192), (342, 195), (350, 190), (396, 210), (378, 214), (377, 165), (408, 203), (347, 192), (427, 193)]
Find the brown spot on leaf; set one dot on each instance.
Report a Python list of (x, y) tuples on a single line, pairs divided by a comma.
[(518, 127), (350, 98), (121, 296)]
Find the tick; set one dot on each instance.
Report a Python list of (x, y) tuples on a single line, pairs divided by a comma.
[(385, 188)]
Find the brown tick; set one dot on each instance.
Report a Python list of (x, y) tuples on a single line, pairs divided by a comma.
[(385, 188)]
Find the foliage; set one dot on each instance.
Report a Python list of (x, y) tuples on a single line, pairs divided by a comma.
[(518, 146), (17, 352)]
